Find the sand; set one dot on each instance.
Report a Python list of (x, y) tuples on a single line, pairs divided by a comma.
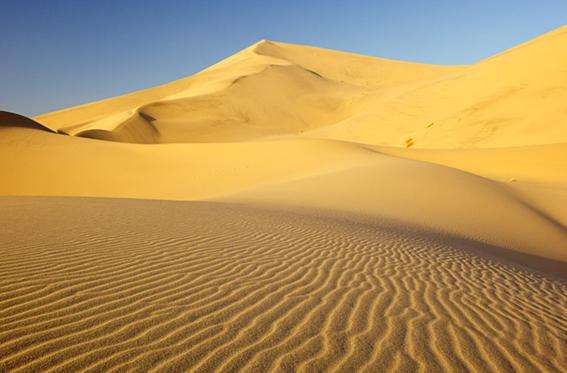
[(208, 286), (294, 208)]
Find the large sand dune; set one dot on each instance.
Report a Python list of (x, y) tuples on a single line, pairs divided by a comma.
[(512, 99), (293, 207)]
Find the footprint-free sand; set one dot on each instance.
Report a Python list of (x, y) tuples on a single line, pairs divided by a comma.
[(293, 208)]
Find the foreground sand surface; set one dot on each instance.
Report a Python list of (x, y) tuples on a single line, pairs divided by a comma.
[(117, 284), (294, 208)]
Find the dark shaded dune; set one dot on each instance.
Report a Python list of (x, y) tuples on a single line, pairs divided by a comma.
[(228, 115), (8, 119), (137, 129), (100, 135)]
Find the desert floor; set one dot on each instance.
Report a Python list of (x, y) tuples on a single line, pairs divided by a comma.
[(205, 286)]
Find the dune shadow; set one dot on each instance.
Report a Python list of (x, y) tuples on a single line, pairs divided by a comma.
[(8, 119)]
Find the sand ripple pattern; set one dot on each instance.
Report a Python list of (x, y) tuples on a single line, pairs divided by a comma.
[(101, 284)]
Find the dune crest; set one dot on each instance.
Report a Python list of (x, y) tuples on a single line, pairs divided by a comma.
[(8, 119), (497, 102), (232, 100)]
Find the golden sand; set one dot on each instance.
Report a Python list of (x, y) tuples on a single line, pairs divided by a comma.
[(294, 208)]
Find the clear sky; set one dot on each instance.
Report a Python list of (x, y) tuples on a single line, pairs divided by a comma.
[(61, 53)]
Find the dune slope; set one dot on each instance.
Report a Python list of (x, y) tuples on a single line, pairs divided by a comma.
[(265, 90), (338, 177), (422, 194), (8, 120), (272, 89), (512, 99)]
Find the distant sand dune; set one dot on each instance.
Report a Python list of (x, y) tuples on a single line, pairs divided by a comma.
[(268, 89), (8, 119), (117, 284), (276, 89)]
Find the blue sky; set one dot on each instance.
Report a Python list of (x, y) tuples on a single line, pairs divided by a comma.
[(61, 53)]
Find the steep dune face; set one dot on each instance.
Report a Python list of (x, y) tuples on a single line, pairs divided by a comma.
[(245, 109), (512, 99), (254, 106), (130, 126)]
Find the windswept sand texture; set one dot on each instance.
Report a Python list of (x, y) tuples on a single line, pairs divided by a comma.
[(179, 285), (294, 208)]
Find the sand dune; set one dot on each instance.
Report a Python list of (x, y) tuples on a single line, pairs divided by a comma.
[(8, 119), (512, 99), (294, 208), (312, 174), (232, 101), (334, 175), (413, 192)]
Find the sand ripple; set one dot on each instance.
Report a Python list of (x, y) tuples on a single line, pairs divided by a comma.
[(102, 284)]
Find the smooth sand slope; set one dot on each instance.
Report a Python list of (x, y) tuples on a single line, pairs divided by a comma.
[(293, 207)]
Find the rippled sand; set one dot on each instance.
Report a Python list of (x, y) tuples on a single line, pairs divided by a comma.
[(115, 284)]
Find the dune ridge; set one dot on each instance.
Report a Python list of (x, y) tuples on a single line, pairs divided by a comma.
[(497, 102), (229, 102), (8, 119)]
